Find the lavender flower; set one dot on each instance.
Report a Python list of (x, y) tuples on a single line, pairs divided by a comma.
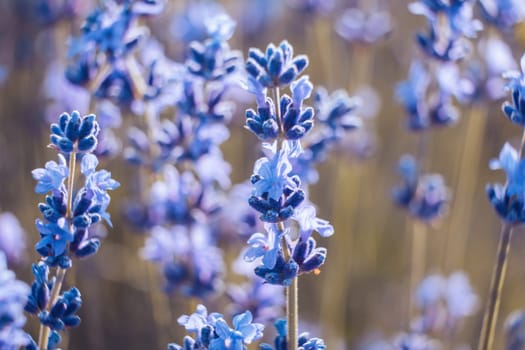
[(264, 301), (275, 194), (508, 200), (498, 59), (356, 26), (444, 302), (67, 217), (449, 24), (514, 110), (304, 340), (13, 296), (277, 67), (188, 259), (312, 7), (12, 238), (213, 333), (415, 341), (425, 196), (503, 14)]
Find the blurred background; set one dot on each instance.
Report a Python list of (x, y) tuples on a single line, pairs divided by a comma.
[(362, 293)]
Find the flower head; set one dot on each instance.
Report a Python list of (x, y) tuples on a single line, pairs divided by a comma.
[(277, 67), (52, 176), (508, 200)]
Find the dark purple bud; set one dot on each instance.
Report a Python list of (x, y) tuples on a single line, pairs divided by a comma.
[(64, 144), (73, 127), (300, 62), (90, 248), (55, 129), (87, 144), (288, 76)]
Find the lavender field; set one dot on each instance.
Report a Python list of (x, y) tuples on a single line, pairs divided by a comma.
[(262, 174)]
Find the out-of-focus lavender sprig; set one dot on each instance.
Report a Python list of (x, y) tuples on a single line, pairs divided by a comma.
[(359, 27), (12, 238), (444, 303), (190, 25), (485, 73), (212, 332), (190, 261), (450, 23), (265, 301), (49, 12), (68, 213), (415, 341), (13, 297), (503, 14), (425, 107), (425, 196), (186, 173), (101, 58), (312, 7)]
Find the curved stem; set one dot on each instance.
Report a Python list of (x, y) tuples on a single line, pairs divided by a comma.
[(55, 293), (486, 338)]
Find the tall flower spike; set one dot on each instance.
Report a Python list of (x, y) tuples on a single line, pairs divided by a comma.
[(68, 214)]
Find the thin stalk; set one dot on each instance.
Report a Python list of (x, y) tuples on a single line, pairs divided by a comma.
[(277, 102), (292, 311), (70, 182), (486, 339), (292, 304)]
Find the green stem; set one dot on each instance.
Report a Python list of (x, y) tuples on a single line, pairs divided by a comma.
[(292, 311), (486, 339), (43, 335), (292, 305), (277, 99)]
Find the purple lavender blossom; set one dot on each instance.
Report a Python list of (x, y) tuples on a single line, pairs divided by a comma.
[(503, 14), (265, 301), (13, 297), (312, 7), (444, 302), (189, 260), (498, 59), (191, 24), (12, 238), (424, 195), (415, 341), (356, 26), (213, 332), (450, 23), (508, 200)]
